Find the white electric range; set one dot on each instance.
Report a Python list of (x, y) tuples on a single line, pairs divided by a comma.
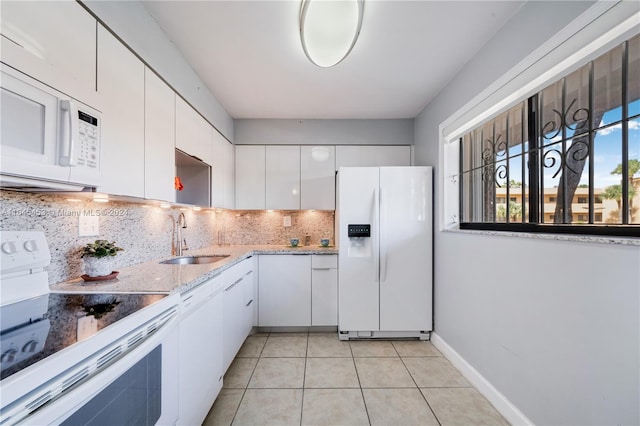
[(64, 355)]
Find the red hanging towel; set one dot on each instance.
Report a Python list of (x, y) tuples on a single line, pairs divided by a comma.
[(177, 183)]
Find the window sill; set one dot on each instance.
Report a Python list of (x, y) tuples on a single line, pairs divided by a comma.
[(583, 238)]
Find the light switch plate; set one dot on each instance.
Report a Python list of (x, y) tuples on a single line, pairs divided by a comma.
[(286, 221), (88, 226)]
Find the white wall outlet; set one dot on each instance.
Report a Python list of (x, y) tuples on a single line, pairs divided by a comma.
[(286, 221), (88, 226)]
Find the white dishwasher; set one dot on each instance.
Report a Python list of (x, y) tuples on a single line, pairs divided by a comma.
[(200, 351)]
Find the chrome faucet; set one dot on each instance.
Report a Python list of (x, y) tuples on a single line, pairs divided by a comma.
[(182, 224)]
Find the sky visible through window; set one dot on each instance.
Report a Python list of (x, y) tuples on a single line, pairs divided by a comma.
[(608, 146), (607, 151)]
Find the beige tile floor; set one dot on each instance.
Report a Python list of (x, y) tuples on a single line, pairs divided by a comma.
[(315, 379)]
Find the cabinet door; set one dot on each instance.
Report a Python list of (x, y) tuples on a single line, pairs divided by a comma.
[(159, 131), (222, 184), (317, 177), (283, 177), (53, 42), (187, 129), (201, 346), (250, 301), (193, 133), (324, 290), (373, 156), (284, 291), (205, 140), (250, 177), (233, 314), (121, 83), (229, 173)]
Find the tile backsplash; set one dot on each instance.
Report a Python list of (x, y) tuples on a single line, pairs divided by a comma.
[(147, 232), (266, 227)]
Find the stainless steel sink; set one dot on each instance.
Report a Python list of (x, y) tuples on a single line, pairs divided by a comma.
[(194, 260)]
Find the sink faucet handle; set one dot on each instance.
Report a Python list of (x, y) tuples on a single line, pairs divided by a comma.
[(185, 246)]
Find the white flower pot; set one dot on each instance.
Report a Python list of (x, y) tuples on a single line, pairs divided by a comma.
[(98, 266)]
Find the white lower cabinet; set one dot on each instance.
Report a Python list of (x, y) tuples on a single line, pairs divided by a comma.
[(233, 323), (284, 290), (249, 303), (238, 299), (201, 343), (324, 290)]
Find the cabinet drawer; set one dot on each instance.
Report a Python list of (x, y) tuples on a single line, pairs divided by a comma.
[(323, 261), (239, 270)]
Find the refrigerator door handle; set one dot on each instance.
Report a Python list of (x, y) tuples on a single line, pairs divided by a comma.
[(374, 207), (383, 246)]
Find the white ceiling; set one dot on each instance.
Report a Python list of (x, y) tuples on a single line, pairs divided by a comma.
[(249, 55)]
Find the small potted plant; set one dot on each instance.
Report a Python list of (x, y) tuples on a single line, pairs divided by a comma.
[(98, 257)]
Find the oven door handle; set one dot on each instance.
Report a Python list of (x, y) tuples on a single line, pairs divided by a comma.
[(69, 402)]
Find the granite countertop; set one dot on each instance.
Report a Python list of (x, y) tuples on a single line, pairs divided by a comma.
[(154, 277)]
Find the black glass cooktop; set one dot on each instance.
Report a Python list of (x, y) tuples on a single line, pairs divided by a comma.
[(36, 328)]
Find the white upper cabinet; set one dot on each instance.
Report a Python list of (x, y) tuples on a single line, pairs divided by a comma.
[(54, 42), (372, 156), (187, 127), (159, 139), (205, 138), (193, 133), (250, 177), (283, 177), (222, 187), (317, 177), (121, 83)]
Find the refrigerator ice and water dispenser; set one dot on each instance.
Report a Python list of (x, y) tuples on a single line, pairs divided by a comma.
[(359, 240)]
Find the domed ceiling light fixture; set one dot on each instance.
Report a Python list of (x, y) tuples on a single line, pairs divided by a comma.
[(329, 29)]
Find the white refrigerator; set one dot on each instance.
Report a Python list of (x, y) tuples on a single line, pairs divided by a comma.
[(384, 225)]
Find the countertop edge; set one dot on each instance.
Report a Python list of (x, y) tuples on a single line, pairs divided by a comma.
[(153, 277)]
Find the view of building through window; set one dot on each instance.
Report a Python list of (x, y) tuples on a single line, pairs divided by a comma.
[(570, 154)]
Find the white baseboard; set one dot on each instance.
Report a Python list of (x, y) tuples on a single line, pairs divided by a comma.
[(509, 411)]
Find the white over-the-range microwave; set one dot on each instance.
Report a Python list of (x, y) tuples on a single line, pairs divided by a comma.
[(48, 140)]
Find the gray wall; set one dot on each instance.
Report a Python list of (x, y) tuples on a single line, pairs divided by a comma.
[(327, 132), (131, 22), (553, 325)]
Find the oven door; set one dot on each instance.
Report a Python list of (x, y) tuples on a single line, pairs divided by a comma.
[(138, 389)]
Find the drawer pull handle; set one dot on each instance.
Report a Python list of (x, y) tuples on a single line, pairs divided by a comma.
[(321, 269), (233, 285)]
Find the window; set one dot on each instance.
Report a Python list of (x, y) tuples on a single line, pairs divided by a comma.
[(543, 164)]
